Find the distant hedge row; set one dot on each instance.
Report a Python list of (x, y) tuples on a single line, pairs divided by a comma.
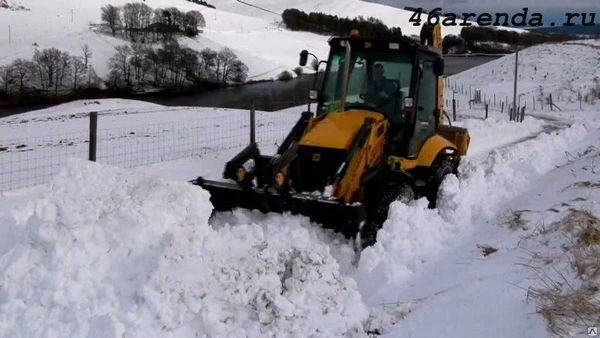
[(482, 34), (203, 3), (321, 23)]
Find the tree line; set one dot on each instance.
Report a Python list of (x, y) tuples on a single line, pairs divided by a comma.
[(133, 68), (173, 66), (321, 23), (50, 71), (139, 22)]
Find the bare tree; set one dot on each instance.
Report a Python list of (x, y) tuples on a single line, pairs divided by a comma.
[(24, 72), (239, 72), (146, 13), (63, 70), (93, 80), (47, 63), (208, 62), (112, 16), (225, 59), (188, 61), (87, 54), (78, 70), (177, 16), (7, 78), (191, 21), (120, 66), (131, 19), (137, 56)]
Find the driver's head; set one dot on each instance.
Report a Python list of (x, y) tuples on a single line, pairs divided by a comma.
[(378, 71)]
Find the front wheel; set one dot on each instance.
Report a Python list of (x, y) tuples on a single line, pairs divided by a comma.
[(439, 170), (378, 205)]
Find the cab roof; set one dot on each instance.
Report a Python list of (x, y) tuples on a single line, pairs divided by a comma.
[(404, 44)]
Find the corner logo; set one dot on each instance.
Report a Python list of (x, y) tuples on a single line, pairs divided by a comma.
[(592, 331)]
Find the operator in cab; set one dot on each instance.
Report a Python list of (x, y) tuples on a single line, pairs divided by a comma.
[(380, 90)]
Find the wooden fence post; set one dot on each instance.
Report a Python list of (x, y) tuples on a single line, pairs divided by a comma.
[(93, 138)]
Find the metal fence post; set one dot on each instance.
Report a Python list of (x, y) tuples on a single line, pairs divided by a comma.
[(454, 109), (93, 139), (252, 122)]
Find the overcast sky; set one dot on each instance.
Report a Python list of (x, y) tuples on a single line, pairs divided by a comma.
[(551, 9)]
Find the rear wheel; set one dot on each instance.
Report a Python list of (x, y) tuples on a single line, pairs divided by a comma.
[(377, 203)]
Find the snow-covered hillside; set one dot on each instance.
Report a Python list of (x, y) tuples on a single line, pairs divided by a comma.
[(257, 37), (111, 251), (568, 71)]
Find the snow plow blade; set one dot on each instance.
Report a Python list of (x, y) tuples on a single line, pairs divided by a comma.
[(331, 214)]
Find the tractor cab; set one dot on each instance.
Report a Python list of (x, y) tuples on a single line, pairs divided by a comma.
[(398, 79)]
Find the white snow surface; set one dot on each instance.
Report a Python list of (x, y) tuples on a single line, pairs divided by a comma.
[(257, 37), (107, 252)]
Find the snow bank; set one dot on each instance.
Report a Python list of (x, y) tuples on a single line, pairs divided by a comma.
[(414, 234), (108, 252)]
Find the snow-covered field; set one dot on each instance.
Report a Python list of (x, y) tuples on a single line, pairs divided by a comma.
[(107, 251), (33, 146), (256, 37), (568, 72)]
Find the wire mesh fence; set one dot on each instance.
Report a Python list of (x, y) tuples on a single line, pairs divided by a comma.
[(32, 161), (564, 99)]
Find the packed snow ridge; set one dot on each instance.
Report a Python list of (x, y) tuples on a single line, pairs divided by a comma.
[(109, 252)]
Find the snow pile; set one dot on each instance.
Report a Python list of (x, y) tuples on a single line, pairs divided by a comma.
[(107, 252), (414, 234)]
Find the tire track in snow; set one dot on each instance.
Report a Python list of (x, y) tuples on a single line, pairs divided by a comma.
[(414, 238), (552, 126)]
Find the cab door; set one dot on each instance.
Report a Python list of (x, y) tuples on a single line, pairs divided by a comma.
[(425, 120)]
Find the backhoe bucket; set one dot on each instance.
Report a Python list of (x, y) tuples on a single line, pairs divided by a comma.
[(331, 214)]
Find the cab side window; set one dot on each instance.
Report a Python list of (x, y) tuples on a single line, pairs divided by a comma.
[(425, 108)]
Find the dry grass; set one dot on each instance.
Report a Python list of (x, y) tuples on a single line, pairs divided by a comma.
[(583, 184), (513, 219), (571, 306), (487, 249)]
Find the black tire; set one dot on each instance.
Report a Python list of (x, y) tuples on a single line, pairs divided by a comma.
[(441, 167), (378, 207)]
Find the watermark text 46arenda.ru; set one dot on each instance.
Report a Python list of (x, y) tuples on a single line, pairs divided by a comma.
[(518, 19)]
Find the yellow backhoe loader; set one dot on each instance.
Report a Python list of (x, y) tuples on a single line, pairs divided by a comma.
[(377, 136)]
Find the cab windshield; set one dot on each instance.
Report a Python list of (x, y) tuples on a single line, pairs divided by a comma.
[(378, 80)]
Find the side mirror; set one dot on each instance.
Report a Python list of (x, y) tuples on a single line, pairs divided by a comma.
[(303, 57), (438, 67), (313, 95)]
